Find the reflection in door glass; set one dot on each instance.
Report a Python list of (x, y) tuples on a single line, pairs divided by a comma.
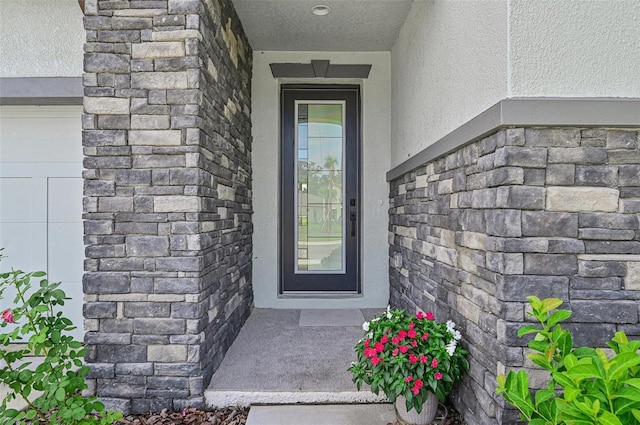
[(319, 182)]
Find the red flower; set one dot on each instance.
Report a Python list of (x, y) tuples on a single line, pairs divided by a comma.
[(384, 339), (402, 334), (434, 362), (412, 334), (438, 376), (416, 386), (366, 343), (413, 358), (395, 352), (7, 316), (414, 343), (370, 352), (395, 340), (375, 360), (408, 379), (419, 315), (430, 316), (403, 348), (423, 358), (424, 336), (379, 347)]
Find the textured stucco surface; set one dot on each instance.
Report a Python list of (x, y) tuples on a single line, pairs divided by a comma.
[(41, 38), (448, 65), (575, 48), (375, 158)]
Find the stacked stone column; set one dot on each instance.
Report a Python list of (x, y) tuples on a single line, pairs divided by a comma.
[(167, 146), (552, 212)]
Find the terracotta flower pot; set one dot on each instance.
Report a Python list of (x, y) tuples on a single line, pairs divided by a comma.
[(425, 417)]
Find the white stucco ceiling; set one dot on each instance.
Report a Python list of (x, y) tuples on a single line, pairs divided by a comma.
[(352, 25)]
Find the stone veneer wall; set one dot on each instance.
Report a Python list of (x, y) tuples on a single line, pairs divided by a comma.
[(533, 211), (167, 144)]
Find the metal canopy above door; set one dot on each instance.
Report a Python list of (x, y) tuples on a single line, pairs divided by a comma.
[(320, 189)]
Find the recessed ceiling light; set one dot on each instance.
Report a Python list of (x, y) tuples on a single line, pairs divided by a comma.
[(320, 10)]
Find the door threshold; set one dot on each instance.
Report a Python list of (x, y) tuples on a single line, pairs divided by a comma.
[(319, 295)]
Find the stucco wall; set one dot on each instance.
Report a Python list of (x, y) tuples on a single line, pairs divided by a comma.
[(41, 38), (575, 48), (375, 159), (448, 65)]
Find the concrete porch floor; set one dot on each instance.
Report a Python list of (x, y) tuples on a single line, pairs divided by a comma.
[(291, 357)]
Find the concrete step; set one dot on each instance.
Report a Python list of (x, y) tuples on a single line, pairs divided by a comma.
[(342, 414), (224, 398)]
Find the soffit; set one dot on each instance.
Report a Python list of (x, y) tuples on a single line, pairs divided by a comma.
[(352, 25)]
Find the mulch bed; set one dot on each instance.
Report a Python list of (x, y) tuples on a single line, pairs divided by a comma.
[(229, 416)]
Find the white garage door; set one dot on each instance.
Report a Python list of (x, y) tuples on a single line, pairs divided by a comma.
[(41, 197)]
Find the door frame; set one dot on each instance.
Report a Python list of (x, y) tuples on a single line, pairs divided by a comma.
[(282, 183)]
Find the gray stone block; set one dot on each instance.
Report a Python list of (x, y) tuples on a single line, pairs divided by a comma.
[(629, 175), (612, 247), (622, 139), (577, 156), (144, 369), (105, 283), (608, 221), (155, 326), (560, 174), (601, 311), (598, 283), (552, 224), (554, 137), (519, 287), (521, 197), (106, 62), (147, 246), (550, 264), (504, 222), (529, 157), (99, 310), (607, 234), (596, 175), (147, 309)]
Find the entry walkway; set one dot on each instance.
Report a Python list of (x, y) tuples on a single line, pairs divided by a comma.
[(291, 357)]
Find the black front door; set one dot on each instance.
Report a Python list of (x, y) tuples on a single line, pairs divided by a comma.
[(319, 198)]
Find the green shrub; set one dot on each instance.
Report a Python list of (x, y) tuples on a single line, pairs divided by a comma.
[(52, 390), (586, 386)]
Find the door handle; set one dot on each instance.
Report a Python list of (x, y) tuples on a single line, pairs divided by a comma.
[(352, 217)]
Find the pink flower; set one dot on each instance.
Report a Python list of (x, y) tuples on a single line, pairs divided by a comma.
[(366, 343), (438, 376), (402, 334), (184, 412), (423, 358), (412, 325), (419, 315), (414, 343), (408, 379), (395, 340), (416, 386), (379, 347), (412, 334), (369, 352), (394, 352), (7, 316), (424, 336), (375, 360), (430, 316), (434, 362), (403, 348), (413, 358), (384, 339)]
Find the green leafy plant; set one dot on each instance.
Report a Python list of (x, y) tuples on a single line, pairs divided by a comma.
[(52, 390), (409, 356), (586, 386)]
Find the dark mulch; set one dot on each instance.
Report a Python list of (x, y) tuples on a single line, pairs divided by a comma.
[(190, 416), (230, 416)]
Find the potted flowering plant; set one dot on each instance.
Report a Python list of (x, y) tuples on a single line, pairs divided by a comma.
[(414, 360)]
